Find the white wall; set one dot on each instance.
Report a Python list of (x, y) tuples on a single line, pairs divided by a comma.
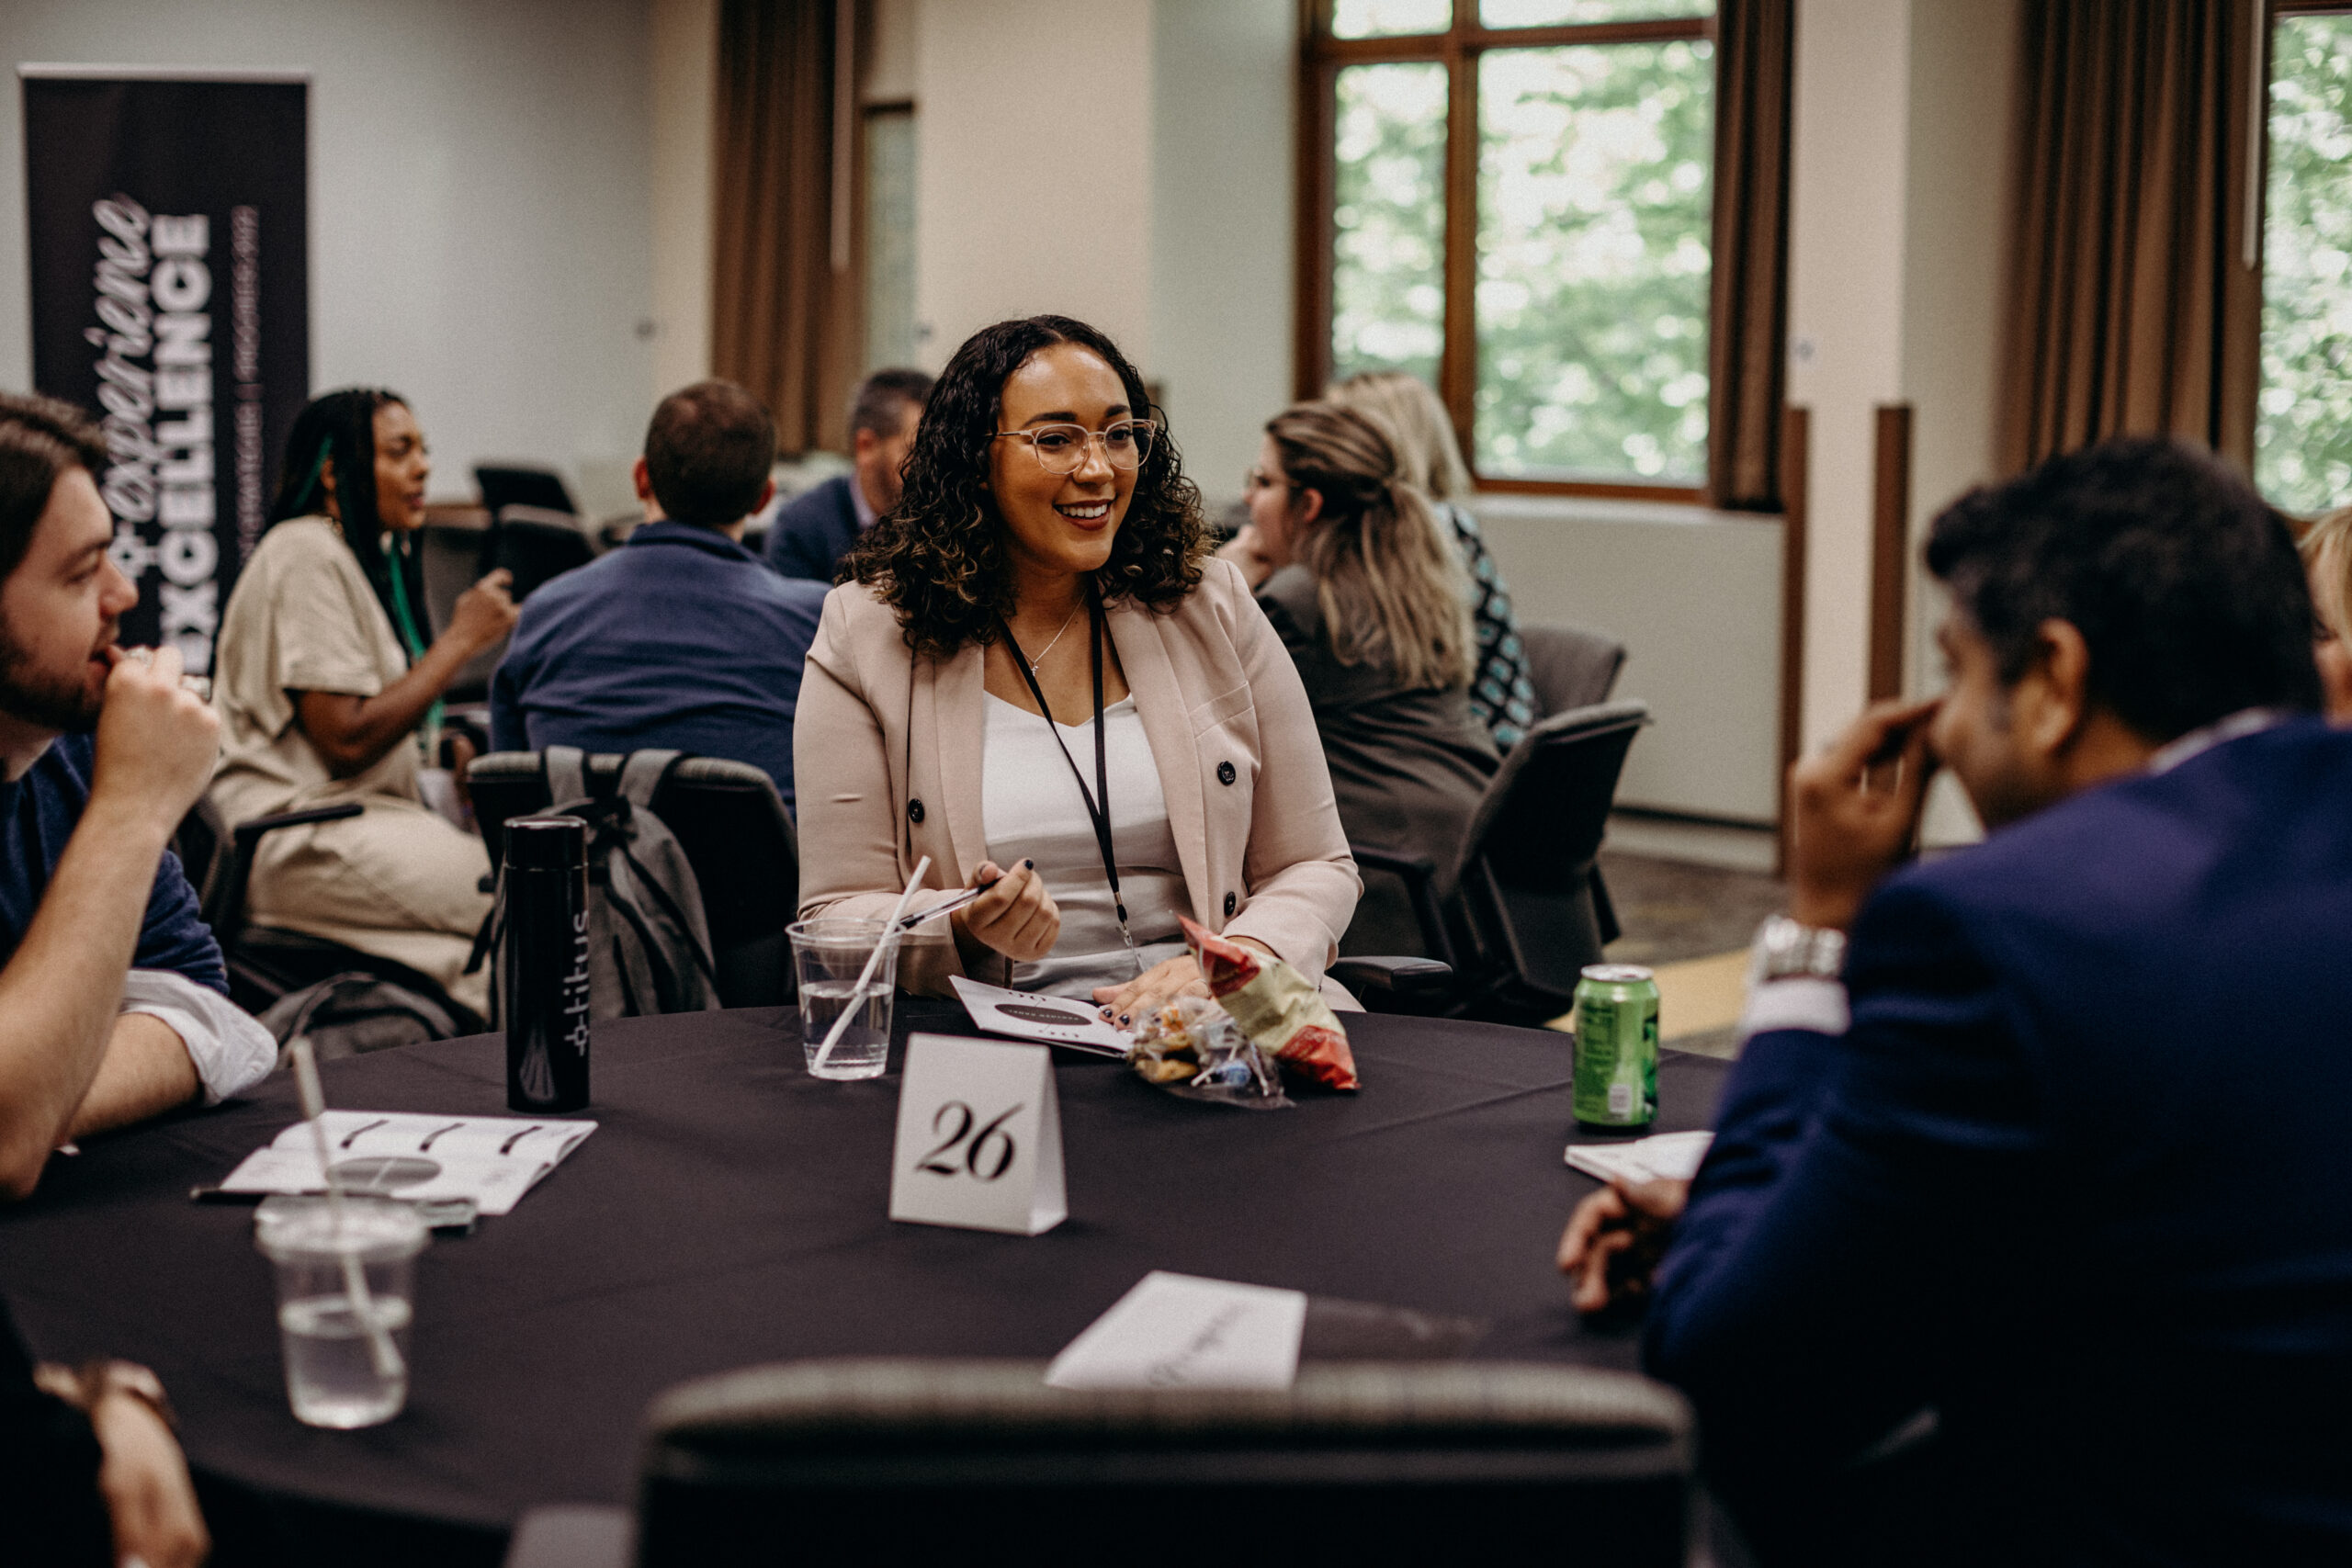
[(1695, 597), (1033, 159), (1962, 133), (683, 150), (1846, 230), (479, 201), (1223, 79)]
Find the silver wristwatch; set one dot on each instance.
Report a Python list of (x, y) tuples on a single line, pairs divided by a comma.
[(1790, 950)]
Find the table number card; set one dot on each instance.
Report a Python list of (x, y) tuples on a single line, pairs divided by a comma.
[(979, 1141)]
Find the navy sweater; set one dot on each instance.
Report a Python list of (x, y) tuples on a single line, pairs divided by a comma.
[(37, 814), (678, 639)]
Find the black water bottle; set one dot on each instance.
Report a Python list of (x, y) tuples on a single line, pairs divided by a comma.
[(543, 975)]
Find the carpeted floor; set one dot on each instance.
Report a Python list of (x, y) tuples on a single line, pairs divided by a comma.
[(1691, 924)]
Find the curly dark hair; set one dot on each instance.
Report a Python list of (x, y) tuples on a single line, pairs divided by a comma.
[(938, 557)]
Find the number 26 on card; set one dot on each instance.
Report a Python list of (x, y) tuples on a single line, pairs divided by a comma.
[(979, 1141)]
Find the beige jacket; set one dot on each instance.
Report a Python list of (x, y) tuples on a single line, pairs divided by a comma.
[(887, 753)]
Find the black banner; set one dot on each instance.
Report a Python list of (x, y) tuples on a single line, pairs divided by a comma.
[(168, 226)]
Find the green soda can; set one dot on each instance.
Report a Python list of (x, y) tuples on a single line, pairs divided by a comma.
[(1616, 1063)]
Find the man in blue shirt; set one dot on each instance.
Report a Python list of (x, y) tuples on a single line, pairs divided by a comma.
[(812, 532), (115, 1012), (681, 638), (112, 991), (2026, 1234)]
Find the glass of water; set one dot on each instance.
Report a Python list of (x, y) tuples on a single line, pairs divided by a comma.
[(827, 955), (344, 1305)]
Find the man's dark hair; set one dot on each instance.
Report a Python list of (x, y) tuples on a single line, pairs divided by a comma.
[(2187, 588), (40, 439), (884, 399), (708, 453)]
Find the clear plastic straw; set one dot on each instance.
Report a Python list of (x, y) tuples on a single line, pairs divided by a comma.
[(354, 1278), (866, 978)]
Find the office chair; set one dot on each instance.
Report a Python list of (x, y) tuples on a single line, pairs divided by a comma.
[(736, 834), (450, 560), (535, 545), (1569, 667), (266, 963), (1527, 913), (507, 485), (907, 1461)]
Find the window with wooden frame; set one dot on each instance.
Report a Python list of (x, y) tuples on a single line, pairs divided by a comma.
[(1512, 198), (2302, 431)]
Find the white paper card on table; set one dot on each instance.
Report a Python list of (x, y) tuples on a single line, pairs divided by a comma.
[(1057, 1020), (1666, 1157), (979, 1141), (491, 1159), (1181, 1331)]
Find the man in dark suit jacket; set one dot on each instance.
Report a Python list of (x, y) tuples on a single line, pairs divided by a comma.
[(812, 532), (2026, 1231)]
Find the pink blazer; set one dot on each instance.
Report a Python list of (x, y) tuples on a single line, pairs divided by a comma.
[(887, 752)]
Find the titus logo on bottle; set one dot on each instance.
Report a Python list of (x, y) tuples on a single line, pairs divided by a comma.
[(575, 988)]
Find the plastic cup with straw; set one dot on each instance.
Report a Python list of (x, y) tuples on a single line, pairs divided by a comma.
[(387, 1355), (866, 978)]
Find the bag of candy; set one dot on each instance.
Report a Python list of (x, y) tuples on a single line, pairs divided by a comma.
[(1194, 1048), (1278, 1008)]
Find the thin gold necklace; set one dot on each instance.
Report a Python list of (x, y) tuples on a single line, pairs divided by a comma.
[(1033, 663)]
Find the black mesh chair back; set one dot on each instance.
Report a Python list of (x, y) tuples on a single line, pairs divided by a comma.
[(1569, 667), (266, 963), (201, 842), (1527, 862), (735, 831), (507, 485), (450, 560), (953, 1462), (535, 544)]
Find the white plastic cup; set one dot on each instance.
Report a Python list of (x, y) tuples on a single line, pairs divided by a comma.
[(335, 1375), (827, 955)]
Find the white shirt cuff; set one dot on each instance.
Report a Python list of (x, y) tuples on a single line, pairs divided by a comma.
[(230, 1050), (1800, 1001)]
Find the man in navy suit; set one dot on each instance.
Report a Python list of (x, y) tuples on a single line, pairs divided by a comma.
[(2026, 1230), (810, 536)]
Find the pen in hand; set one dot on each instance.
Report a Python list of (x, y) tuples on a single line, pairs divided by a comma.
[(946, 907)]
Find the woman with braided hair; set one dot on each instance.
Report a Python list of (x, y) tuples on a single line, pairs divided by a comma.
[(328, 688), (1368, 593)]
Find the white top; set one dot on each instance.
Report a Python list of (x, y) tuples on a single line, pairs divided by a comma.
[(1031, 809)]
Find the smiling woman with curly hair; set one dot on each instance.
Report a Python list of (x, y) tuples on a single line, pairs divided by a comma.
[(1032, 665)]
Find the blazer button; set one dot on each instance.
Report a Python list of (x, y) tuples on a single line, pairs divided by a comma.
[(1225, 774), (914, 811), (1230, 901)]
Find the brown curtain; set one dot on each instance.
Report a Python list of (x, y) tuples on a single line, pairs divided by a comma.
[(785, 324), (2133, 307), (1755, 41)]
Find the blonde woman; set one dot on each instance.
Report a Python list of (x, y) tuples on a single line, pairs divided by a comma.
[(1501, 693), (1367, 594), (2327, 558)]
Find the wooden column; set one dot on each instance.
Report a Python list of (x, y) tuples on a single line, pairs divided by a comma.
[(1796, 462), (1890, 548)]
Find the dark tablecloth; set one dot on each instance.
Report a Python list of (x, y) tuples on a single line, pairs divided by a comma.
[(730, 1210)]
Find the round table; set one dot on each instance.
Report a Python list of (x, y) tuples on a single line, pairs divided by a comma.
[(731, 1210)]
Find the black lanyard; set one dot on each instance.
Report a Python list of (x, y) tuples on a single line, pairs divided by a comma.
[(1098, 803)]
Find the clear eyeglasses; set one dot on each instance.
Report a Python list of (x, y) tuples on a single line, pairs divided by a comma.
[(1060, 448)]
